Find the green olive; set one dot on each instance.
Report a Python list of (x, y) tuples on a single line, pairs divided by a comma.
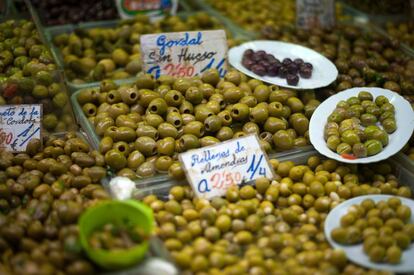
[(283, 140), (194, 95), (381, 100), (373, 147), (239, 112), (275, 109), (259, 113), (167, 130), (212, 123), (226, 118), (389, 125), (189, 141), (146, 145), (232, 95), (157, 106), (344, 148), (363, 95), (115, 159)]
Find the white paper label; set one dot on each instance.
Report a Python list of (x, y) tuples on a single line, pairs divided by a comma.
[(315, 13), (18, 125), (152, 8), (184, 54), (213, 169)]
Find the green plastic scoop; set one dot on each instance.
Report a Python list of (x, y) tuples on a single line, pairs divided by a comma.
[(129, 213)]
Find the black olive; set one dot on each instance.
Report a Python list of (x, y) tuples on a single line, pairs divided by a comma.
[(292, 79)]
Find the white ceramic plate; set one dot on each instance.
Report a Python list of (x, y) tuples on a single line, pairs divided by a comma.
[(355, 253), (404, 116), (324, 71)]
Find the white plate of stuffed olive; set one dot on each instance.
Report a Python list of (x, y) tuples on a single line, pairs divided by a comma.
[(379, 237), (283, 64), (361, 125)]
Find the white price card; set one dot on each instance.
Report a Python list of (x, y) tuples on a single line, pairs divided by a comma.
[(184, 54), (18, 125), (315, 13), (155, 9), (211, 170)]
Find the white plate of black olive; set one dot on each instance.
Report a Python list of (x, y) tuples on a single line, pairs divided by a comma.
[(283, 64)]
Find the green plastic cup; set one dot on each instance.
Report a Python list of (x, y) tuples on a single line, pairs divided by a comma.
[(128, 212)]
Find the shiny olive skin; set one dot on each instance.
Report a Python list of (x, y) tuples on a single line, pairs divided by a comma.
[(225, 133), (373, 147), (146, 145), (282, 140), (389, 125), (167, 130), (212, 123), (166, 146), (195, 128), (259, 113)]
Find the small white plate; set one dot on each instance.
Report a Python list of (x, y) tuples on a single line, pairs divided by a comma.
[(324, 71), (404, 116), (356, 253)]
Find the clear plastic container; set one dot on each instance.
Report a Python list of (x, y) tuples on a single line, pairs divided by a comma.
[(94, 140), (403, 171)]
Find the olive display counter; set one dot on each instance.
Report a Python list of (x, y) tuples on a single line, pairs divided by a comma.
[(245, 232), (90, 52), (135, 126)]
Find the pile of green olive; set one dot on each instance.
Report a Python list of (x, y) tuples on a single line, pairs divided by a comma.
[(271, 227), (114, 53), (146, 125), (252, 15), (28, 75), (116, 237), (382, 227), (401, 32), (363, 58), (345, 133), (42, 194)]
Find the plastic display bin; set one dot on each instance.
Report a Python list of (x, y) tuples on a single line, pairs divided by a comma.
[(94, 140), (51, 32)]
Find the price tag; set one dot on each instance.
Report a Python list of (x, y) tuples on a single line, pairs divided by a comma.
[(18, 125), (153, 8), (315, 14), (212, 169), (184, 54)]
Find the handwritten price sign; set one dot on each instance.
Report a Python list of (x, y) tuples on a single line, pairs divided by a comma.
[(184, 54), (18, 125), (212, 169), (315, 14)]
